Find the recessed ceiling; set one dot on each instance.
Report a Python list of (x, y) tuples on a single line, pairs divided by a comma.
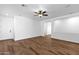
[(27, 10)]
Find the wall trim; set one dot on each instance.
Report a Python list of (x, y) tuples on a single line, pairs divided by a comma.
[(64, 39)]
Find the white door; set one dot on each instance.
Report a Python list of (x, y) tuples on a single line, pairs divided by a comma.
[(6, 31)]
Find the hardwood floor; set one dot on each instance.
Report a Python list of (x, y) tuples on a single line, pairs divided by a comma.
[(38, 46), (6, 47)]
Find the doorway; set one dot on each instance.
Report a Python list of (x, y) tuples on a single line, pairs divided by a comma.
[(47, 28)]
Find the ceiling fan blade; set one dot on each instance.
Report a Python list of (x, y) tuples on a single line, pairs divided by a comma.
[(36, 12), (44, 11), (45, 14)]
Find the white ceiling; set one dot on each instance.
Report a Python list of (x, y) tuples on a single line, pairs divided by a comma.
[(53, 10)]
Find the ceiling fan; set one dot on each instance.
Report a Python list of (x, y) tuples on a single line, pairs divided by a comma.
[(40, 13)]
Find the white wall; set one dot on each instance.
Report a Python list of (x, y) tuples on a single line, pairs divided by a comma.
[(67, 25), (18, 27), (43, 28), (67, 29), (26, 28), (6, 27)]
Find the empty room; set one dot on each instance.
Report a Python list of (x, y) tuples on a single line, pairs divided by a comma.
[(39, 29)]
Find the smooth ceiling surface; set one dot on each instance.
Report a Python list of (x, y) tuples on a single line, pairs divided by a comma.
[(53, 10)]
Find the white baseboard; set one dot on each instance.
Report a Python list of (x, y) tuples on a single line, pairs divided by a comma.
[(65, 39), (25, 37)]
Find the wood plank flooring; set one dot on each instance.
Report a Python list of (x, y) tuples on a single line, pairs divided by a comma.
[(38, 46), (6, 47)]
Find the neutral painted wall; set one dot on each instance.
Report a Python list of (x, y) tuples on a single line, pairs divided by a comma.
[(43, 28), (66, 29), (26, 28), (6, 27), (18, 27)]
